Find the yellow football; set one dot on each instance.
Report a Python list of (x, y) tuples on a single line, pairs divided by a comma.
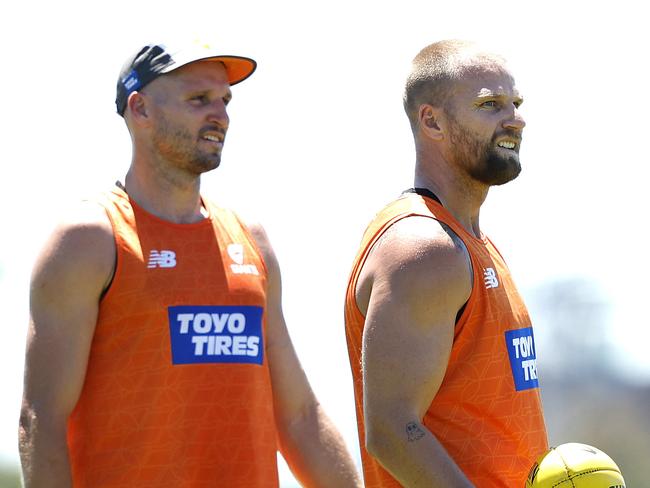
[(575, 465)]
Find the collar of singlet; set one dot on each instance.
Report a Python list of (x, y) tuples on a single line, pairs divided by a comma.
[(423, 192)]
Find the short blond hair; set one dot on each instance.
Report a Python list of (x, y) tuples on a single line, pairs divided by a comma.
[(437, 67)]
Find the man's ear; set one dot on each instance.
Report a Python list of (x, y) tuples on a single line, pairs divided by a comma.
[(137, 106), (429, 121)]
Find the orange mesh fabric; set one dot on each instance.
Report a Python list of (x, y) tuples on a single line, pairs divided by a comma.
[(177, 390), (487, 412)]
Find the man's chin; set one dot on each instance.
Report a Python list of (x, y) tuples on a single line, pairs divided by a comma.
[(499, 171), (503, 181), (207, 164), (507, 174)]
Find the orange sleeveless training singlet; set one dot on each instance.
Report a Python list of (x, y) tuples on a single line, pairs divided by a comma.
[(177, 390), (487, 412)]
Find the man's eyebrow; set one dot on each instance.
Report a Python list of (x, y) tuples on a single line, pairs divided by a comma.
[(205, 90), (486, 94)]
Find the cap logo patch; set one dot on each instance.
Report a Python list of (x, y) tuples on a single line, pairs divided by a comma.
[(131, 81)]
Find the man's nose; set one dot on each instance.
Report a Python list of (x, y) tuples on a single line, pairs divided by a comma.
[(515, 121), (218, 114)]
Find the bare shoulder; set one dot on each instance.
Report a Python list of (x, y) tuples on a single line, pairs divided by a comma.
[(81, 245), (261, 239), (88, 216), (257, 231), (418, 254), (72, 270), (417, 240)]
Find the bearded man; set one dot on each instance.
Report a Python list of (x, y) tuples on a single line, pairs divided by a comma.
[(158, 354), (441, 345)]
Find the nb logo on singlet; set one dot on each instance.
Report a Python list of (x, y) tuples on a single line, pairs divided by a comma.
[(236, 253), (161, 259), (490, 278)]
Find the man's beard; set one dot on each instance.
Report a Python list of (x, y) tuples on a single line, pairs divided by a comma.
[(177, 145), (483, 161)]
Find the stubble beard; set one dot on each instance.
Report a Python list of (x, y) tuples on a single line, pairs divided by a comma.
[(178, 146), (482, 160)]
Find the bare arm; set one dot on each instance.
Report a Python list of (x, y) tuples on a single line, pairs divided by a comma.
[(68, 278), (311, 445), (414, 282)]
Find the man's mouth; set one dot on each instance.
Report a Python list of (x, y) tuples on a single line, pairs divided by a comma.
[(507, 144), (213, 138)]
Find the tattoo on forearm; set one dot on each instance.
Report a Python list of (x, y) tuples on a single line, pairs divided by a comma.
[(413, 432)]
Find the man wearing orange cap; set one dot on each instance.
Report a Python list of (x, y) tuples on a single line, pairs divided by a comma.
[(158, 355)]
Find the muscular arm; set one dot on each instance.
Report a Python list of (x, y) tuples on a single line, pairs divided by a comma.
[(413, 284), (68, 278), (311, 445)]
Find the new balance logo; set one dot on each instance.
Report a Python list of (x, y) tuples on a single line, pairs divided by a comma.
[(161, 259), (236, 253), (490, 278)]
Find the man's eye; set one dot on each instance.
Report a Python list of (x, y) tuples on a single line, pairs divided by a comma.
[(489, 103), (200, 99)]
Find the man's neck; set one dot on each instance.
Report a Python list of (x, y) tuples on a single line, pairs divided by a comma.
[(460, 196), (167, 196)]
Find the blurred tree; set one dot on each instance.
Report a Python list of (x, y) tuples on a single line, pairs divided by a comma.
[(571, 320), (9, 475), (584, 400)]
